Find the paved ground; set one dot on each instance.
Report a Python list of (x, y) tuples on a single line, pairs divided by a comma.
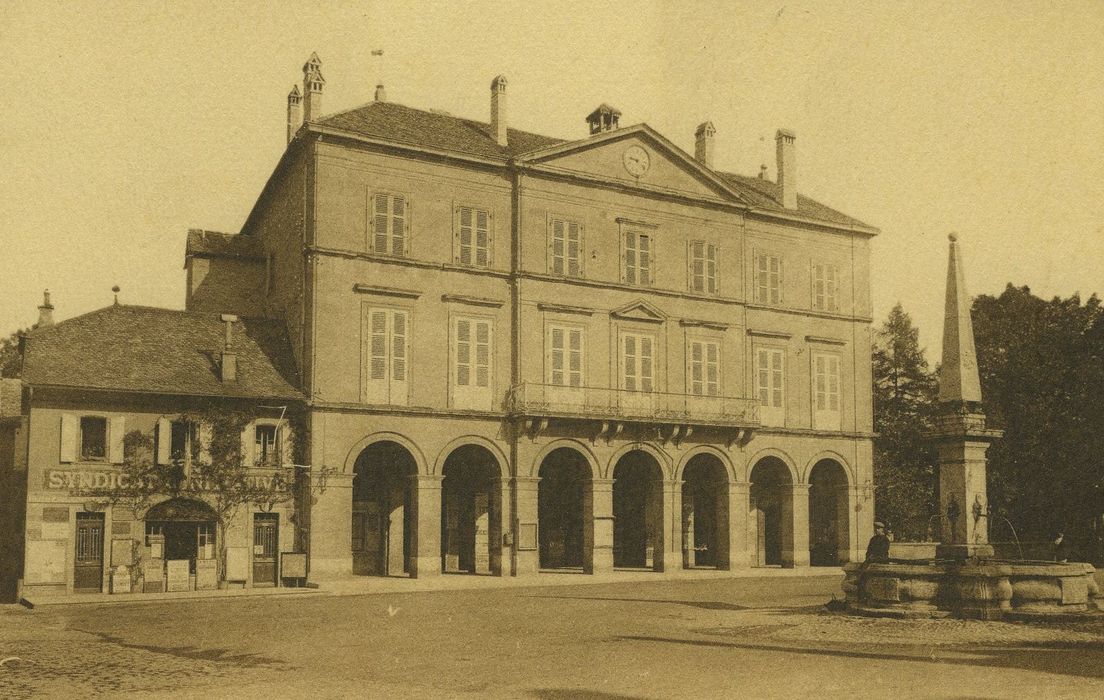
[(751, 637)]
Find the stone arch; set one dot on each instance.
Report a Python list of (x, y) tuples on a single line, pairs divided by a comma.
[(385, 436), (577, 445), (730, 469), (489, 445), (848, 470), (661, 458), (830, 518), (772, 452)]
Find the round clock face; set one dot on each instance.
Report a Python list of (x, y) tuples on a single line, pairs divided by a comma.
[(636, 160)]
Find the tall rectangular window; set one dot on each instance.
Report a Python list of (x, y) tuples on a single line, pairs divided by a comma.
[(825, 287), (386, 356), (705, 374), (638, 258), (473, 236), (264, 446), (703, 267), (565, 356), (637, 362), (770, 385), (93, 438), (768, 279), (471, 367), (390, 223), (566, 248), (826, 391)]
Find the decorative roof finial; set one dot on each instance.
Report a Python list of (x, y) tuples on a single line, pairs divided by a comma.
[(116, 290)]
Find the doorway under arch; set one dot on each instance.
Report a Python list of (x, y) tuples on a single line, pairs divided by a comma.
[(638, 512), (771, 512), (471, 512), (562, 519), (384, 518), (829, 522), (705, 516)]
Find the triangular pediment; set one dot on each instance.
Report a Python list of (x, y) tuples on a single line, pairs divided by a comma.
[(634, 156), (639, 310)]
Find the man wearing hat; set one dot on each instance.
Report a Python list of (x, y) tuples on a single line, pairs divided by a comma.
[(878, 548)]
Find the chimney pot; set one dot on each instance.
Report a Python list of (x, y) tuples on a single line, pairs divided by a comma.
[(46, 311), (381, 93), (498, 110), (228, 365), (313, 82), (787, 167), (294, 112), (703, 143), (763, 171)]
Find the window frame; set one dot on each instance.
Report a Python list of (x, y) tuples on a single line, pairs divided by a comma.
[(370, 232), (826, 418), (705, 342), (622, 365), (105, 442), (387, 391), (471, 395), (639, 230), (457, 245), (709, 263), (765, 299), (549, 354), (770, 414), (831, 287), (567, 222)]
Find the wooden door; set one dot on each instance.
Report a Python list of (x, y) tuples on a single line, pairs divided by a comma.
[(88, 562), (266, 527)]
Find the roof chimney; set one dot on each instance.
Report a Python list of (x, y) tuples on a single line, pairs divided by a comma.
[(312, 88), (381, 93), (604, 118), (228, 366), (498, 109), (295, 112), (703, 144), (45, 312), (762, 171), (787, 167)]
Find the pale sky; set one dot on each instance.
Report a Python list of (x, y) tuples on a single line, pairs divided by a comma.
[(127, 126)]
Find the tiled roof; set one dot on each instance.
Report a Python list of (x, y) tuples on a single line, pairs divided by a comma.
[(765, 194), (139, 348), (214, 243), (11, 397), (437, 130)]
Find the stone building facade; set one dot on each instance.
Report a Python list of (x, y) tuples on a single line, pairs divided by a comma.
[(525, 353)]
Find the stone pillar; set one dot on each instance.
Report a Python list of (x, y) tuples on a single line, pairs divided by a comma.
[(962, 496), (598, 527), (732, 525), (668, 533), (500, 524), (526, 531), (331, 528), (795, 527), (856, 546), (427, 519)]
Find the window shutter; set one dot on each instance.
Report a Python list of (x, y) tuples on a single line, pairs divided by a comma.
[(284, 445), (116, 431), (482, 353), (711, 268), (628, 371), (456, 234), (781, 282), (490, 240), (712, 370), (379, 223), (69, 431), (575, 357), (624, 256), (248, 436), (558, 245), (164, 441), (556, 358), (204, 435), (646, 365), (398, 225), (463, 352), (574, 250), (644, 259), (378, 345)]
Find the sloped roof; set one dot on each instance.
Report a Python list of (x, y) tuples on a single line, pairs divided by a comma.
[(217, 244), (765, 194), (437, 130), (145, 349), (11, 397)]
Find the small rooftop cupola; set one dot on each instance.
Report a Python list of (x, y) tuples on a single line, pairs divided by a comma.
[(313, 82), (498, 110), (228, 361), (787, 167), (294, 112), (381, 93), (45, 312), (604, 118), (958, 375), (703, 144)]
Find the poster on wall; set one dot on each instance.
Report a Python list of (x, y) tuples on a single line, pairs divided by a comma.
[(177, 575)]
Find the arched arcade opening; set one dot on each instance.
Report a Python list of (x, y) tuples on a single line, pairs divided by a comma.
[(638, 512), (829, 521), (771, 513), (705, 516), (565, 480), (384, 520), (471, 512)]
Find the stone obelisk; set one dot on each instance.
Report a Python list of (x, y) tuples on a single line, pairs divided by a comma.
[(960, 432)]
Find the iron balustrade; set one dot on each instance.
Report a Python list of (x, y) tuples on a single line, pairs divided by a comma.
[(531, 399)]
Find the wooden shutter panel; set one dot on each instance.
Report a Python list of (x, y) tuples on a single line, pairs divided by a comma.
[(69, 431), (248, 435), (711, 268), (556, 358), (203, 433), (164, 441), (115, 433), (379, 223), (284, 445)]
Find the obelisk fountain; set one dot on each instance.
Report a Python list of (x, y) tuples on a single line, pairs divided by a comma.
[(960, 433)]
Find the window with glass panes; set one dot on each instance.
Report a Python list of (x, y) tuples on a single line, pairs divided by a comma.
[(566, 248), (637, 362), (826, 390), (825, 287), (386, 353), (705, 372), (473, 236), (638, 257), (390, 223), (264, 445), (703, 267), (471, 351), (770, 384), (565, 356), (768, 278)]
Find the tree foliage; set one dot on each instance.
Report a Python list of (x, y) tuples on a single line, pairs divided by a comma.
[(905, 472), (10, 362)]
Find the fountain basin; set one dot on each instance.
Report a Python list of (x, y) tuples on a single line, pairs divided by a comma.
[(982, 589)]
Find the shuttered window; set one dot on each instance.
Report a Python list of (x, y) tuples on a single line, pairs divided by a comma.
[(638, 258), (565, 248), (386, 354), (471, 351), (637, 362), (825, 287), (390, 224), (768, 279), (705, 376), (703, 267), (826, 391), (565, 356), (473, 236), (770, 385)]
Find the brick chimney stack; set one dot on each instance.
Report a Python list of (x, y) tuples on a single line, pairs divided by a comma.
[(703, 144), (787, 167), (498, 110), (294, 112), (45, 312), (228, 365), (313, 82), (381, 93)]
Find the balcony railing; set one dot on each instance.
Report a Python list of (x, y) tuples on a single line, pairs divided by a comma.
[(549, 400)]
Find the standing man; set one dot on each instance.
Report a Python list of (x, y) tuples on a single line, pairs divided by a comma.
[(878, 548)]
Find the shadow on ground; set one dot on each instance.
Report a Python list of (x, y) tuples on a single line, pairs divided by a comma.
[(702, 604), (578, 694), (195, 653)]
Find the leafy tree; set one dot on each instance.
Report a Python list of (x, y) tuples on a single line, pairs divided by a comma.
[(905, 473), (10, 362)]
